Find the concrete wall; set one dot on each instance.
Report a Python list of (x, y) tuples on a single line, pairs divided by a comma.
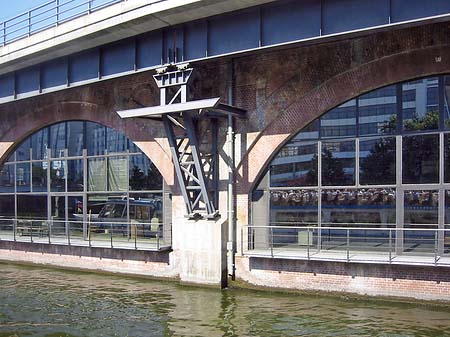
[(283, 90)]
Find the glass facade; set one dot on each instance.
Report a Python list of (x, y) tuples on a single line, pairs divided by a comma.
[(379, 161), (77, 170)]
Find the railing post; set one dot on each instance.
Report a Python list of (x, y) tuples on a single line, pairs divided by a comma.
[(348, 245), (390, 245), (57, 12), (111, 235), (68, 233), (242, 241), (14, 229), (29, 23), (49, 228), (89, 6), (436, 247), (307, 242), (271, 241), (135, 236), (157, 241), (31, 231)]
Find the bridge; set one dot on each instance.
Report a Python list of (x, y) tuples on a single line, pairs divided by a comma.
[(210, 140)]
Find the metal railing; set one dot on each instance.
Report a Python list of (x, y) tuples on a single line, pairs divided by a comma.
[(49, 14), (418, 246), (126, 235)]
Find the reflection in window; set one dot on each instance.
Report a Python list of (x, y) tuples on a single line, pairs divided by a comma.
[(347, 206), (294, 207), (95, 139), (421, 105), (32, 206), (23, 177), (421, 159), (7, 178), (75, 136), (23, 152), (338, 163), (295, 165), (75, 175), (339, 122), (377, 161), (39, 176), (58, 140), (39, 144), (58, 173), (116, 141), (117, 173), (97, 174), (143, 174)]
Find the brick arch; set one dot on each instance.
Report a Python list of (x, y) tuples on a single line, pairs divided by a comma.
[(139, 131), (331, 93)]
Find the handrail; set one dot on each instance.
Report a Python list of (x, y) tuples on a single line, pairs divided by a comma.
[(30, 22)]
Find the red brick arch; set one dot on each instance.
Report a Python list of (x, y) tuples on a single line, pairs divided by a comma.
[(139, 131), (331, 93)]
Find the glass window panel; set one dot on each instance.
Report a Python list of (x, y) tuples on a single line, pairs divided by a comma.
[(311, 131), (295, 165), (58, 140), (32, 207), (147, 207), (447, 222), (447, 101), (116, 141), (421, 159), (378, 111), (143, 174), (377, 161), (95, 139), (23, 177), (97, 174), (294, 207), (339, 122), (39, 144), (7, 178), (360, 206), (118, 173), (58, 172), (107, 207), (39, 176), (7, 206), (75, 178), (421, 212), (421, 104), (75, 135), (23, 151), (338, 163), (133, 147)]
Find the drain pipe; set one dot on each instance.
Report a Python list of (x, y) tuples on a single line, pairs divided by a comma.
[(231, 211)]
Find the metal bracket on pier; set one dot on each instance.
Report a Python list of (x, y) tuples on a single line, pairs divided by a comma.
[(195, 158)]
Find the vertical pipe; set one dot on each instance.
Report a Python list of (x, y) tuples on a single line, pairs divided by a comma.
[(231, 215)]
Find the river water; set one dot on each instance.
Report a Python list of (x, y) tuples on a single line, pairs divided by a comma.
[(37, 301)]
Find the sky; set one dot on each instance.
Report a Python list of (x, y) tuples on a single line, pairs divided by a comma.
[(9, 8)]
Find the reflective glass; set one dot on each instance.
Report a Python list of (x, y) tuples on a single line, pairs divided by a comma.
[(7, 178), (116, 141), (39, 176), (377, 161), (446, 102), (58, 174), (95, 139), (143, 174), (358, 206), (75, 138), (294, 207), (58, 140), (378, 111), (339, 122), (447, 158), (118, 173), (75, 178), (421, 159), (421, 104), (295, 165), (39, 144), (7, 206), (147, 207), (23, 151), (31, 206), (23, 177), (97, 174), (338, 163), (105, 207)]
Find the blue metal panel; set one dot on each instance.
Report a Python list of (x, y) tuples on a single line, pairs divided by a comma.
[(195, 40), (117, 58), (173, 45), (7, 85), (290, 20), (345, 15), (27, 80), (149, 50), (84, 66), (236, 31), (403, 10), (54, 73)]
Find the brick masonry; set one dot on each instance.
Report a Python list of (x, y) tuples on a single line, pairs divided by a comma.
[(283, 90)]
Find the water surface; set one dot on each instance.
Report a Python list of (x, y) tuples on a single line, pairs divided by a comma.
[(37, 301)]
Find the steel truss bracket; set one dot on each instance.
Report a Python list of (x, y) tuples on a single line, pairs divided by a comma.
[(194, 148)]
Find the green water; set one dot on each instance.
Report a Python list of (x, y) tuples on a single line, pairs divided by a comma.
[(46, 302)]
